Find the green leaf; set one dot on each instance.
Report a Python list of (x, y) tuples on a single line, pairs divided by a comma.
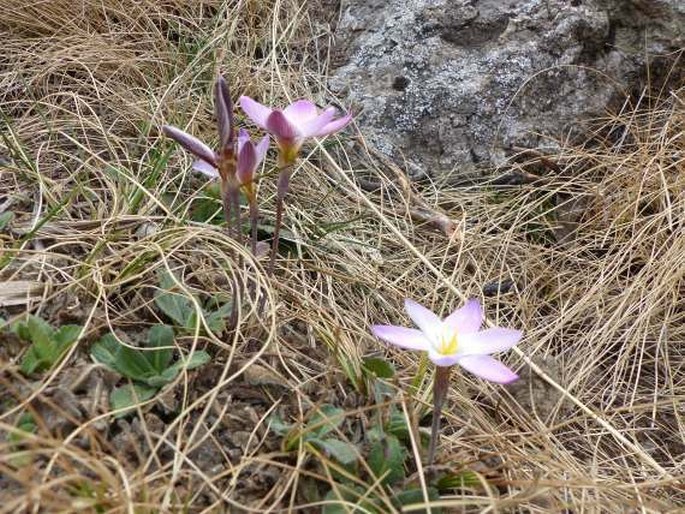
[(40, 333), (21, 329), (133, 364), (128, 396), (344, 453), (207, 210), (278, 426), (459, 480), (327, 419), (382, 391), (31, 362), (125, 360), (397, 426), (192, 320), (105, 351), (375, 433), (196, 360), (175, 306), (161, 337), (26, 424), (65, 336), (386, 459), (5, 219), (416, 496), (379, 367), (47, 345), (216, 320)]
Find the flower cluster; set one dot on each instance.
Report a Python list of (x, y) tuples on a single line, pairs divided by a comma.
[(237, 159)]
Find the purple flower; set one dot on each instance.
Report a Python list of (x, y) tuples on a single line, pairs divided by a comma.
[(250, 156), (455, 340), (207, 156), (292, 125), (214, 164)]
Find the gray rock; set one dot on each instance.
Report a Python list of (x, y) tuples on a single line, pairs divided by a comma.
[(451, 86)]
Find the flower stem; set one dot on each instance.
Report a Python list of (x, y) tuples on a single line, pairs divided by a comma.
[(227, 201), (440, 387), (254, 218), (234, 192), (283, 185)]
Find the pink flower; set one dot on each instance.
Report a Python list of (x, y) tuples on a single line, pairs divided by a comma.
[(292, 125), (250, 156), (455, 340)]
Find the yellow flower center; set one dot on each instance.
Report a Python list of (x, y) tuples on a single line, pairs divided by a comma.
[(447, 342)]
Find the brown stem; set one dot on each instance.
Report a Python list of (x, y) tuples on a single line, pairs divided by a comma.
[(283, 185), (440, 387)]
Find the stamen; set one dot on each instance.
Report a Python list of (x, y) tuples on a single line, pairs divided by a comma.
[(448, 343)]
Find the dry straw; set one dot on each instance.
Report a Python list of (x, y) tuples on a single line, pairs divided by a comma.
[(585, 253)]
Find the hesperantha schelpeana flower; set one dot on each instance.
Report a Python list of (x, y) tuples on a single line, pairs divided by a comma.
[(455, 340), (236, 160), (292, 125), (250, 156)]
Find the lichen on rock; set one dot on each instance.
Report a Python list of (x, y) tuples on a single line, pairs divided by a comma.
[(452, 86)]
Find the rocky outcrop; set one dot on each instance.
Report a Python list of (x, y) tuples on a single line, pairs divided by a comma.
[(453, 86)]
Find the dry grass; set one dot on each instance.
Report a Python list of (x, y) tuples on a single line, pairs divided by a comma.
[(590, 248)]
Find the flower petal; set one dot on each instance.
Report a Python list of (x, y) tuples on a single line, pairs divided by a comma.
[(281, 127), (223, 108), (243, 135), (314, 126), (205, 168), (262, 148), (334, 126), (425, 319), (191, 143), (440, 359), (301, 112), (247, 161), (467, 319), (491, 340), (488, 368), (255, 111), (403, 337)]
